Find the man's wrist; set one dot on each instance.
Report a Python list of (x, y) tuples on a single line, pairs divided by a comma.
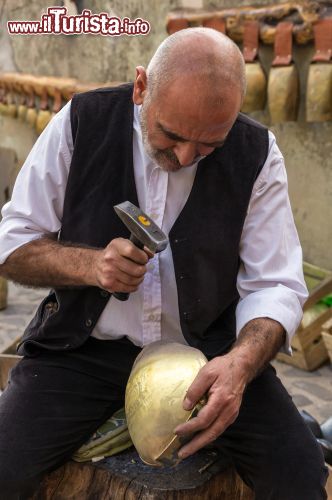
[(243, 363), (257, 344)]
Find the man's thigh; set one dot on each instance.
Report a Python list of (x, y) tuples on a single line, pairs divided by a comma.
[(271, 446), (54, 402)]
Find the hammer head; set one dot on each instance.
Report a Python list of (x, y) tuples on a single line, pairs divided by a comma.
[(142, 227)]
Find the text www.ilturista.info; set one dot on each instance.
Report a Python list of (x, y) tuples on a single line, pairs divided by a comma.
[(57, 22)]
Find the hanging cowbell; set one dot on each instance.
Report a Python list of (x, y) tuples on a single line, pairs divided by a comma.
[(4, 90), (3, 293), (283, 85), (256, 80), (31, 114), (216, 23), (319, 83), (3, 107), (43, 118), (174, 25), (11, 102), (44, 114), (21, 96), (22, 110), (53, 91), (57, 88)]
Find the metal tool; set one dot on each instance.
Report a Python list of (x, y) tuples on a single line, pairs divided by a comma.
[(144, 232)]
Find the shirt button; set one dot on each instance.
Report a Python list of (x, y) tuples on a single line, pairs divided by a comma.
[(151, 267), (88, 322), (152, 317)]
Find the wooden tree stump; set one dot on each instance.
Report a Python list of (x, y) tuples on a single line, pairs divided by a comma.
[(205, 476)]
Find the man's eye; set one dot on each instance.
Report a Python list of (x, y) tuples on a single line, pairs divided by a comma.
[(173, 138), (215, 144)]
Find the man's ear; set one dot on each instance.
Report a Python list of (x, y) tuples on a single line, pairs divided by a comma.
[(140, 85)]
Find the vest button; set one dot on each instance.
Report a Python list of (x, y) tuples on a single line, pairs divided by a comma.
[(88, 322), (104, 293), (67, 346)]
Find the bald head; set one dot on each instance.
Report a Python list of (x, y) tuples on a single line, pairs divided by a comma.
[(204, 60)]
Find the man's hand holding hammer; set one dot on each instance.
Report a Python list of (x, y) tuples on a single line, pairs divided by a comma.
[(121, 266)]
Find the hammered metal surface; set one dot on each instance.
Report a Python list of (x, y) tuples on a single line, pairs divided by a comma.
[(157, 385)]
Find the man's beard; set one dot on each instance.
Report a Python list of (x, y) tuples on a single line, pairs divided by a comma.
[(166, 159)]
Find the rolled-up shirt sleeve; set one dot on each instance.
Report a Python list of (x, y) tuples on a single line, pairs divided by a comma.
[(270, 279), (36, 205)]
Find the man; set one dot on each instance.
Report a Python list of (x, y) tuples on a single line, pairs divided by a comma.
[(216, 183)]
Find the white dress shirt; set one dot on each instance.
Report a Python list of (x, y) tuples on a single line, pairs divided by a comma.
[(270, 279)]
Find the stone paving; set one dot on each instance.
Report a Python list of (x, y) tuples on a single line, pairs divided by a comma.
[(311, 391)]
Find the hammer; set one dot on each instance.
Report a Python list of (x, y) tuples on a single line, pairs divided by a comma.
[(143, 232)]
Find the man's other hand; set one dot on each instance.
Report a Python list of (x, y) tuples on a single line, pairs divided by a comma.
[(223, 381)]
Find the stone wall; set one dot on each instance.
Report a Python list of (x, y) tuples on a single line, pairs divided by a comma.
[(307, 147)]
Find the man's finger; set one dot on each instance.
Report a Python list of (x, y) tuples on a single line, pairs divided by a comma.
[(199, 387), (127, 249), (128, 267), (206, 416), (206, 436), (126, 280), (149, 253), (200, 440)]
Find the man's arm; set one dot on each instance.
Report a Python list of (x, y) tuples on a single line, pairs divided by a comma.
[(47, 263), (29, 251), (36, 205), (272, 290), (270, 278)]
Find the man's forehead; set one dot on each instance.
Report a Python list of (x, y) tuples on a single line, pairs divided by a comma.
[(185, 116)]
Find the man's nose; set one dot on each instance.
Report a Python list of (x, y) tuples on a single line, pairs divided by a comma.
[(187, 152), (204, 150)]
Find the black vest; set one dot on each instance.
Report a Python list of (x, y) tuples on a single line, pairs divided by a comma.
[(204, 239)]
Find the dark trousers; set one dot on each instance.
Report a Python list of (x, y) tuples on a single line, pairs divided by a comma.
[(55, 401)]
